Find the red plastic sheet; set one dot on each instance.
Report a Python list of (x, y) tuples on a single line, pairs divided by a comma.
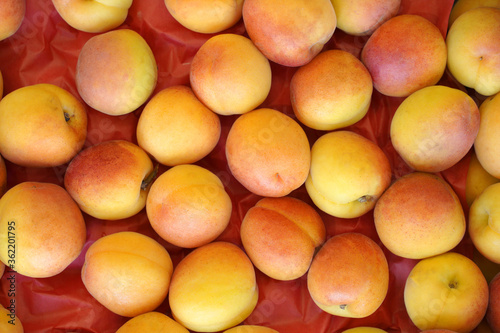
[(45, 50)]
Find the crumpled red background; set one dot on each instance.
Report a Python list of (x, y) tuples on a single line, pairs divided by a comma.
[(45, 50)]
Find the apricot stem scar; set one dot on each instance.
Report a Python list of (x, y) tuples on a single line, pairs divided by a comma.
[(365, 198), (149, 178), (343, 306)]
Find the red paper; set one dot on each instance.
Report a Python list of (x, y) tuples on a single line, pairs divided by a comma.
[(45, 50)]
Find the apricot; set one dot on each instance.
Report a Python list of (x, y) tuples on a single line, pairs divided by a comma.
[(446, 291), (213, 288), (418, 61), (281, 235), (250, 329), (483, 225), (205, 16), (268, 152), (332, 91), (42, 229), (413, 214), (10, 324), (435, 127), (94, 16), (116, 72), (152, 322), (230, 75), (485, 144), (364, 329), (176, 128), (348, 174), (473, 50), (110, 180), (12, 13), (477, 179), (361, 17), (53, 130), (462, 6), (127, 272), (188, 206), (296, 35), (349, 276)]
